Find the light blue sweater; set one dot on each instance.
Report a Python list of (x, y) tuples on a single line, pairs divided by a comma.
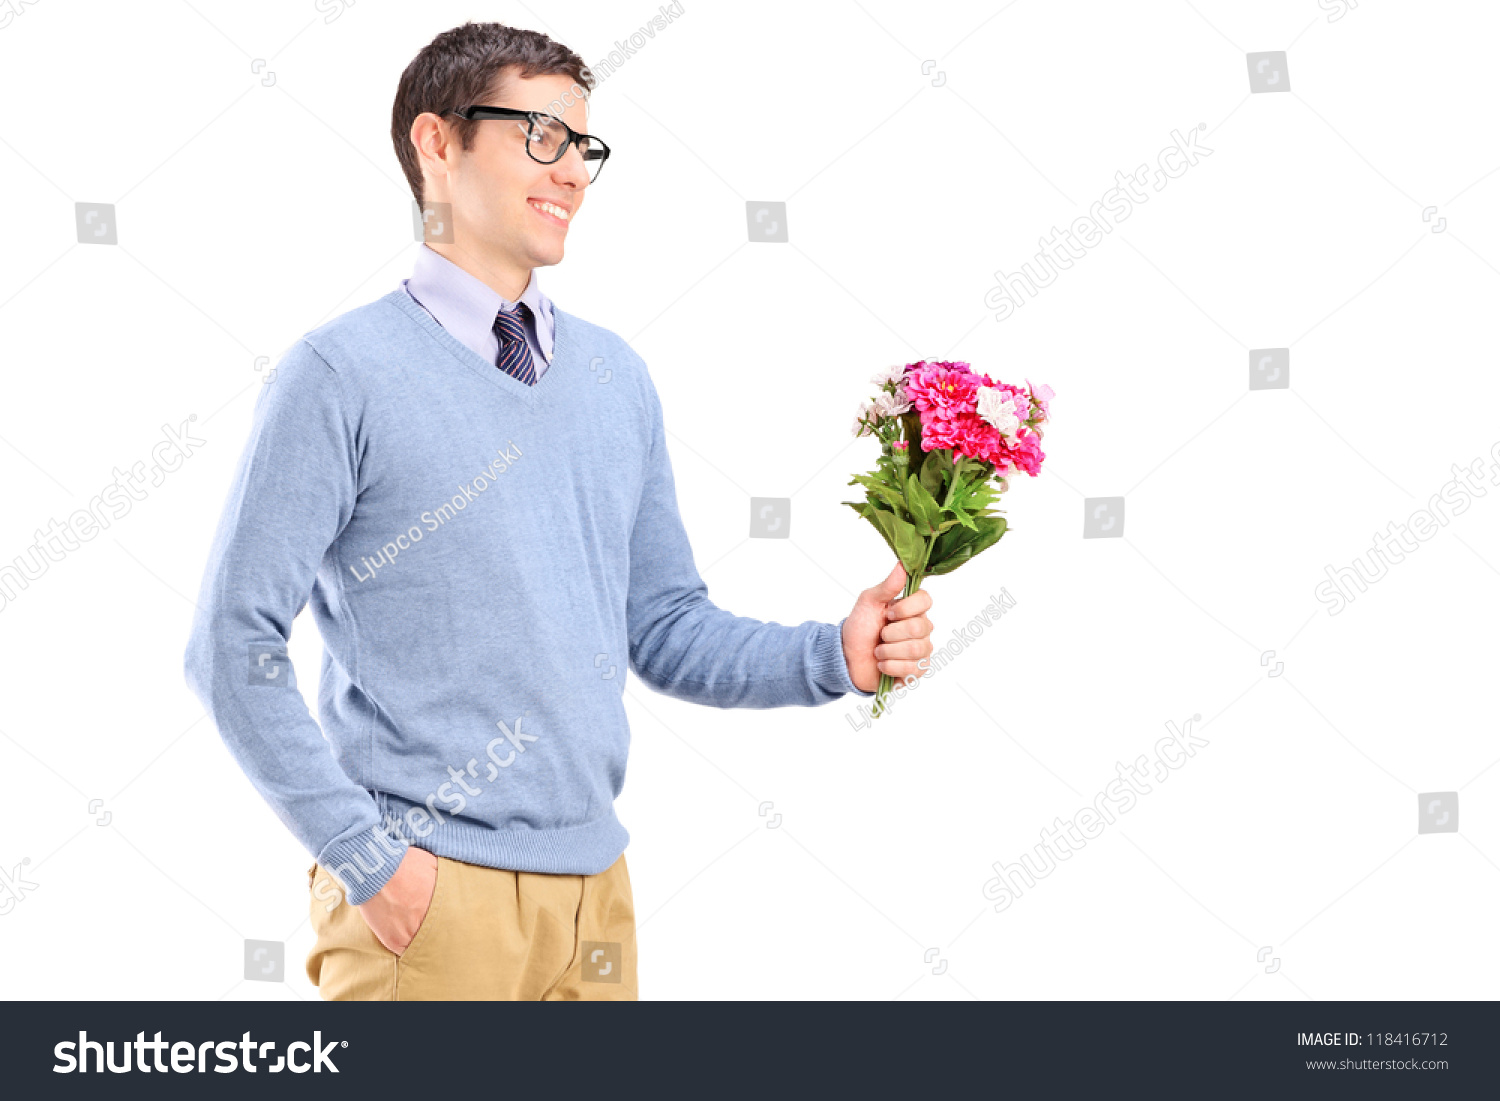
[(483, 559)]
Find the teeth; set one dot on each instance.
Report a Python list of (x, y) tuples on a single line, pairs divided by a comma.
[(553, 209)]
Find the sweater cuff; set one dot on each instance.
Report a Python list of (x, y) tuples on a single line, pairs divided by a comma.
[(364, 862), (830, 669)]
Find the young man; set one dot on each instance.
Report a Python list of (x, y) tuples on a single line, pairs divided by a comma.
[(486, 530)]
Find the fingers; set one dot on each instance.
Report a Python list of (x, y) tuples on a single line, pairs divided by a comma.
[(911, 650), (915, 604), (900, 658), (900, 670), (906, 637), (903, 629)]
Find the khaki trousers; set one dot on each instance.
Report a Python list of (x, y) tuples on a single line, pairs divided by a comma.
[(488, 935)]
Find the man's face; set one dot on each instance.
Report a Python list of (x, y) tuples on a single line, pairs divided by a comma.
[(498, 191)]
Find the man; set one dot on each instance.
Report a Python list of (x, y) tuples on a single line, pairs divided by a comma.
[(484, 530)]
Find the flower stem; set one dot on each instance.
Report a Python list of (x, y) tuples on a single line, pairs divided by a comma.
[(913, 583)]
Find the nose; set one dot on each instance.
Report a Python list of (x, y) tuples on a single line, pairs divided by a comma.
[(570, 168)]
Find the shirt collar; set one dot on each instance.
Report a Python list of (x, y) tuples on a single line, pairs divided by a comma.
[(466, 306)]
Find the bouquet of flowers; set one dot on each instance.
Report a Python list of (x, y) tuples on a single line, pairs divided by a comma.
[(950, 440)]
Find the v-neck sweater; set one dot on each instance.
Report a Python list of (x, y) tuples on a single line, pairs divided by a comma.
[(484, 559)]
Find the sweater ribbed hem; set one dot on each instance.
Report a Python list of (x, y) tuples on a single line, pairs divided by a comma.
[(573, 850), (830, 669), (364, 862)]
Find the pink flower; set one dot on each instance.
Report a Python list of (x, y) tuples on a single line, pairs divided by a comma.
[(941, 389), (1042, 396), (946, 394)]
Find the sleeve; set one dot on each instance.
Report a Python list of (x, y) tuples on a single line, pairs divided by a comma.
[(684, 645), (293, 492)]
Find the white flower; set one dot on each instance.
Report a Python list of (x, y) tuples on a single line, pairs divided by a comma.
[(996, 408), (861, 426), (889, 374), (892, 405)]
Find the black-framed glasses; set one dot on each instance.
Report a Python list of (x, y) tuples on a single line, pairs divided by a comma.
[(547, 136)]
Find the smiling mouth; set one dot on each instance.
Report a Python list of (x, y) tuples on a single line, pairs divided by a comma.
[(550, 210)]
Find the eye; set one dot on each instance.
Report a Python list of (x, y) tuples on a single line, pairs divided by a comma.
[(548, 134)]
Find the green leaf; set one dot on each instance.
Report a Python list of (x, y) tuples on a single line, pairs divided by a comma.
[(911, 431), (962, 516), (946, 559), (870, 513), (926, 513), (885, 476), (936, 471), (890, 495), (903, 540), (974, 495), (911, 548), (946, 545)]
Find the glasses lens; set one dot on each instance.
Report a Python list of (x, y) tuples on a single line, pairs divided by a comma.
[(548, 137), (594, 156), (547, 140)]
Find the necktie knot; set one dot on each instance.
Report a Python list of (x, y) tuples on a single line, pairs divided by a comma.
[(515, 357), (511, 324)]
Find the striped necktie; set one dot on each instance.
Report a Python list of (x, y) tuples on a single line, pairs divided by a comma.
[(515, 353)]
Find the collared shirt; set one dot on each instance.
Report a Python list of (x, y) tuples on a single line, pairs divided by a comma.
[(466, 307)]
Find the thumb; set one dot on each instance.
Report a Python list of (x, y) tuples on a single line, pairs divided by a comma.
[(891, 587)]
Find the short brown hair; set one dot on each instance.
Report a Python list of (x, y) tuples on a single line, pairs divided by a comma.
[(465, 65)]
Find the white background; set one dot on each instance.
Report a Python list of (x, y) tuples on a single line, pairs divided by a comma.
[(248, 214)]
